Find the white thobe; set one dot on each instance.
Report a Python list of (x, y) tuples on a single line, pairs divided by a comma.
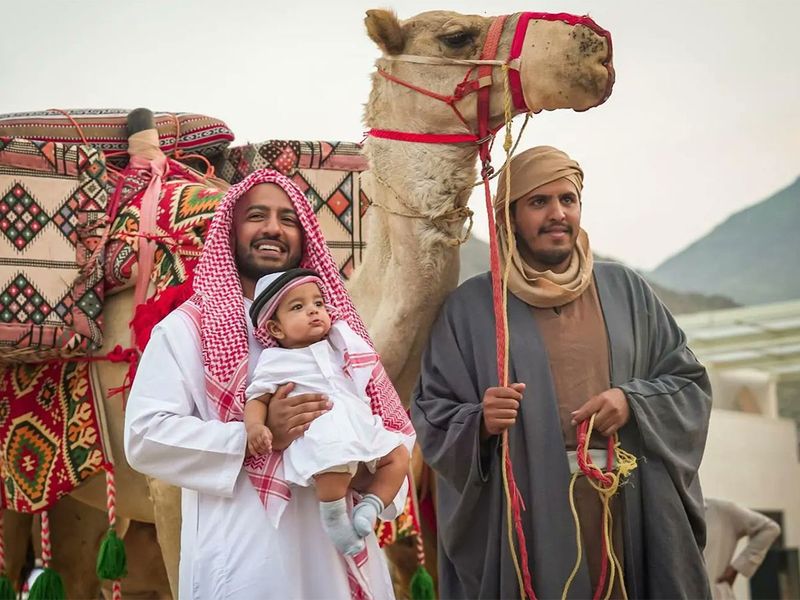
[(346, 435), (726, 524), (229, 549)]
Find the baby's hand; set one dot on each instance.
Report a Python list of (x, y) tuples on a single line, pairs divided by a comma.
[(259, 440)]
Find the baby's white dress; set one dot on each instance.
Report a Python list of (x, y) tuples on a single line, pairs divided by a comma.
[(347, 434)]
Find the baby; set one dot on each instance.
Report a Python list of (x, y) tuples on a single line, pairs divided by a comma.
[(319, 356)]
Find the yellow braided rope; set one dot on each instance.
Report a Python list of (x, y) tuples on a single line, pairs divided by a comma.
[(578, 541), (509, 519), (507, 110)]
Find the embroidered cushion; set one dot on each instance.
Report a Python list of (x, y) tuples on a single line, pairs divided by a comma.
[(104, 128)]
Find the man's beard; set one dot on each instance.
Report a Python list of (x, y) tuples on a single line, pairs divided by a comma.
[(551, 258), (548, 258), (249, 268)]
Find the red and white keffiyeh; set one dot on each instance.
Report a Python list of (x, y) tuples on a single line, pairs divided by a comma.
[(218, 310)]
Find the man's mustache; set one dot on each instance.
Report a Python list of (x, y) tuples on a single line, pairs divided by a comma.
[(552, 228), (273, 240)]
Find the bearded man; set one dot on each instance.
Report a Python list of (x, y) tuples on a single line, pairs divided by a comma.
[(245, 533), (586, 340)]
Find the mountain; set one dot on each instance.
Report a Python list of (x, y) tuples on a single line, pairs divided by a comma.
[(475, 260), (753, 257)]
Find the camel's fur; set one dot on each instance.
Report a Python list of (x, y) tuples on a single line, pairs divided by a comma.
[(409, 266)]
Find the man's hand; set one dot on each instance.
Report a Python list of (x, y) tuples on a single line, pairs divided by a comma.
[(289, 416), (611, 408), (500, 408), (729, 576), (259, 440)]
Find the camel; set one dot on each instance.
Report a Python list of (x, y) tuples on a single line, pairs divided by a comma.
[(420, 191)]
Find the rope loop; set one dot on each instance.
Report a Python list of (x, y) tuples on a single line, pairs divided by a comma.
[(442, 222)]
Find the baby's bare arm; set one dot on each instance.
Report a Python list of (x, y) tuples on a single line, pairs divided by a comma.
[(255, 411)]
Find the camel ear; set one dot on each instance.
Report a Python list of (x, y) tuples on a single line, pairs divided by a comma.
[(384, 29)]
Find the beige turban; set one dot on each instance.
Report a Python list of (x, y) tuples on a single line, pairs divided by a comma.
[(528, 171), (534, 168)]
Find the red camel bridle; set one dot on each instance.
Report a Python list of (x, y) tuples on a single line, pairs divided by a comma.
[(481, 83), (483, 135)]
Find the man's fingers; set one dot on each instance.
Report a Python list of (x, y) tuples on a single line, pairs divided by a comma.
[(504, 413), (505, 392), (297, 431), (282, 391), (302, 399), (610, 430), (499, 425), (603, 418), (502, 403), (310, 408), (587, 410), (304, 418)]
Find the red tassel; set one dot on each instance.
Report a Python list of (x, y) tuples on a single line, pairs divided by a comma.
[(148, 315)]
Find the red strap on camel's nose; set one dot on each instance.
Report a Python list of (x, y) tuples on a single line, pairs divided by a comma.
[(519, 38)]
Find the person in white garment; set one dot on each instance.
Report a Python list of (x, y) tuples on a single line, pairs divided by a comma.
[(183, 422), (726, 524), (324, 355)]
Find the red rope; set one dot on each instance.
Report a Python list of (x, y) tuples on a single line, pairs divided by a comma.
[(117, 355), (424, 138), (591, 470), (585, 460), (500, 334)]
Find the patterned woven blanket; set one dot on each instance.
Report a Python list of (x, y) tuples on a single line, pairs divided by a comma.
[(52, 216), (51, 432)]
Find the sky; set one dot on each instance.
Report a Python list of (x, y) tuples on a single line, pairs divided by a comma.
[(703, 120)]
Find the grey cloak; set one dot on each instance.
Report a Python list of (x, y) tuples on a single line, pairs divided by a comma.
[(670, 399)]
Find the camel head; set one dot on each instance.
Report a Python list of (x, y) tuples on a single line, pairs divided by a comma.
[(556, 61)]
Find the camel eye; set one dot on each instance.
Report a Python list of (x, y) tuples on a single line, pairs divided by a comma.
[(457, 40)]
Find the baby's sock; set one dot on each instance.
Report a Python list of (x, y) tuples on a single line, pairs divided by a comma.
[(366, 513), (337, 525)]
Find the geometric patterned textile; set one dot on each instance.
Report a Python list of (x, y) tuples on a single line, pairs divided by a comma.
[(51, 432), (104, 128), (388, 532), (52, 216), (184, 213), (329, 173)]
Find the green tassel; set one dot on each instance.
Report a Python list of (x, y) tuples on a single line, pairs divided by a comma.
[(6, 589), (48, 586), (422, 585), (111, 561)]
